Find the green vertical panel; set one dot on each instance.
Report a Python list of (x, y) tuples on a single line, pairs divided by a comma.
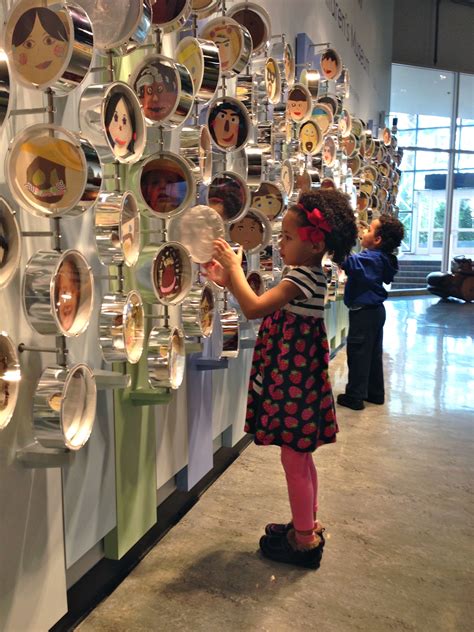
[(135, 467)]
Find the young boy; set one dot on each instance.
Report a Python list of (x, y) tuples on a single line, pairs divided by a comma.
[(364, 296)]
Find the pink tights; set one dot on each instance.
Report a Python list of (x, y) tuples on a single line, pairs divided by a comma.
[(302, 481)]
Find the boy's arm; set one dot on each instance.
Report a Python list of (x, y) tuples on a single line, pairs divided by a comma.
[(356, 265)]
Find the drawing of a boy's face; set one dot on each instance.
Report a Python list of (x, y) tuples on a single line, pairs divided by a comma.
[(268, 200), (157, 90), (310, 137), (248, 232), (330, 65), (40, 42), (271, 79)]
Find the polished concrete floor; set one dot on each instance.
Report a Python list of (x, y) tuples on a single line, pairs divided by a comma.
[(396, 497)]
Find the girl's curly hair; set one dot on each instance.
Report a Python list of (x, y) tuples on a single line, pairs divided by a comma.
[(337, 210)]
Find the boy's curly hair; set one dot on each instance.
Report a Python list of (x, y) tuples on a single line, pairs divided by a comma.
[(392, 232), (336, 208)]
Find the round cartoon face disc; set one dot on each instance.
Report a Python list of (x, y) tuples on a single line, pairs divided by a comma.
[(229, 124), (252, 232), (310, 137), (331, 64), (171, 273), (269, 200)]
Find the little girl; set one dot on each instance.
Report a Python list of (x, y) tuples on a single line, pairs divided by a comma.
[(290, 402)]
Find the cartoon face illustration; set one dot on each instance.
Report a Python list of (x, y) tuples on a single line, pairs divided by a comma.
[(40, 45), (228, 39), (189, 54), (130, 237), (362, 201), (169, 267), (268, 200), (272, 80), (50, 170), (387, 136), (120, 125), (345, 123), (354, 165), (163, 185), (349, 145), (248, 232), (157, 89), (133, 330), (322, 114), (164, 11), (4, 384), (298, 105), (196, 5), (205, 154), (206, 308), (310, 138), (67, 293), (228, 125), (289, 62), (329, 151), (227, 197), (331, 64)]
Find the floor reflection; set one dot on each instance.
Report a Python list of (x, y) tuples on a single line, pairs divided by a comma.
[(429, 352)]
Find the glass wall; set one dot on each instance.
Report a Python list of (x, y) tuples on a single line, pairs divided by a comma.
[(423, 101)]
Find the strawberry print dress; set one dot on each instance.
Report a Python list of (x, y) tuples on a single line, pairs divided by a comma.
[(290, 400)]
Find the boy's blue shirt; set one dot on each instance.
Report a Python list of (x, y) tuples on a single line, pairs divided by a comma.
[(366, 271)]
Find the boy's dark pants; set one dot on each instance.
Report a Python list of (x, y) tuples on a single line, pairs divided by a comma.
[(364, 353)]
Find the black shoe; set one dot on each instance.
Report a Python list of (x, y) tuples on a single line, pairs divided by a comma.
[(280, 550), (350, 402), (375, 400)]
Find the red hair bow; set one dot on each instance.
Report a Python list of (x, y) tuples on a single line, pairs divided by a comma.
[(320, 226)]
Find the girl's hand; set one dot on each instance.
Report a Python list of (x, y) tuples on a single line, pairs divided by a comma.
[(224, 254), (216, 273)]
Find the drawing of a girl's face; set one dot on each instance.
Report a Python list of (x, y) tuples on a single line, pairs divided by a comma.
[(120, 128), (227, 38), (228, 125), (329, 152), (297, 106), (67, 293), (330, 64), (271, 79), (40, 44)]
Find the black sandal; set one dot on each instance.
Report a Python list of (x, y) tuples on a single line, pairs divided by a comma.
[(279, 549), (278, 529)]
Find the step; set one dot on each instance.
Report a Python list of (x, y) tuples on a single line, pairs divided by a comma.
[(414, 268), (402, 286)]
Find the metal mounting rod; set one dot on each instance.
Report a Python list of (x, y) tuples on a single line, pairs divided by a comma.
[(320, 44), (22, 347), (29, 111), (36, 233)]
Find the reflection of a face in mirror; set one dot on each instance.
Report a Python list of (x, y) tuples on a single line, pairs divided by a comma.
[(39, 45), (268, 200), (120, 125), (163, 186), (67, 292), (248, 232), (206, 310), (255, 282), (3, 242), (157, 89), (164, 11), (330, 64), (228, 125), (297, 105), (226, 197), (387, 136), (329, 151)]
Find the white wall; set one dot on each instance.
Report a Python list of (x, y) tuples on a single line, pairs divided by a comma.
[(336, 21)]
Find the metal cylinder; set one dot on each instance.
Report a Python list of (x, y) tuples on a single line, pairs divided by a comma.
[(10, 243), (64, 407), (10, 376), (117, 228), (121, 327), (164, 273), (57, 292), (201, 58), (197, 314), (166, 358), (230, 333)]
